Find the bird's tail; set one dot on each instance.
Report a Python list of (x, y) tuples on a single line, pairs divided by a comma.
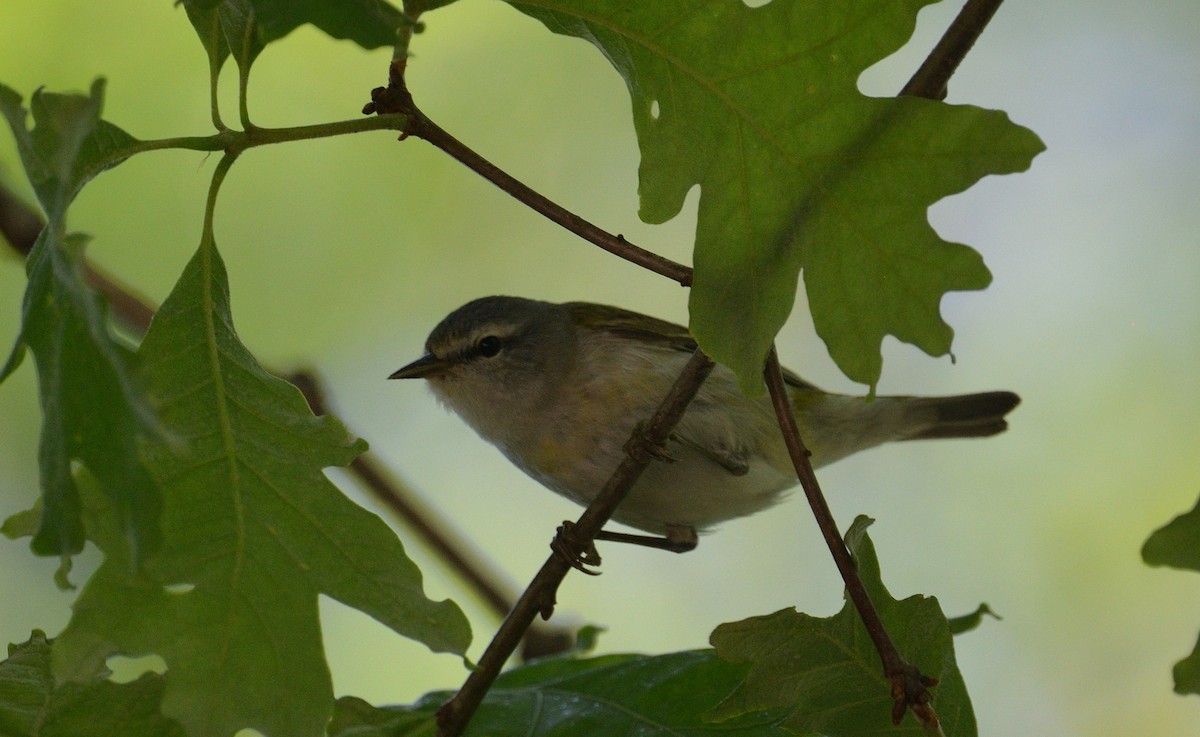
[(962, 416)]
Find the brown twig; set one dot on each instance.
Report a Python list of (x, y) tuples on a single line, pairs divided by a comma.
[(19, 224), (909, 687), (395, 98), (539, 596), (934, 73)]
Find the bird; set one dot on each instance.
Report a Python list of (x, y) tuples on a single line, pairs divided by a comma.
[(559, 387)]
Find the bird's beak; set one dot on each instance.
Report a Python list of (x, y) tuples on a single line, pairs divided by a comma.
[(424, 367)]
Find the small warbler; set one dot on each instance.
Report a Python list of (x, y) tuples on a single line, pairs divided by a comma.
[(558, 388)]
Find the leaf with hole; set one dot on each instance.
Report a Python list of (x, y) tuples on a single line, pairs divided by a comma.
[(797, 169), (32, 705)]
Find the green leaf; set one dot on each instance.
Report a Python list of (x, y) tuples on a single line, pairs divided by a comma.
[(1177, 544), (416, 7), (26, 524), (68, 145), (93, 407), (205, 17), (25, 686), (826, 672), (648, 696), (253, 532), (797, 169), (249, 25), (968, 622), (371, 24), (1187, 673), (32, 706), (22, 524), (353, 717)]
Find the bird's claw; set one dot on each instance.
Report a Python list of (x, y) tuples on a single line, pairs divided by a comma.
[(583, 557)]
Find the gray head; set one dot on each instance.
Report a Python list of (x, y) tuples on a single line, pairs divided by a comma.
[(495, 356)]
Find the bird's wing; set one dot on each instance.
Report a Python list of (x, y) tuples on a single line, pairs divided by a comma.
[(643, 327), (633, 324)]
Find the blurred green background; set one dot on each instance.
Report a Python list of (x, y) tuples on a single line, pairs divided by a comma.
[(343, 253)]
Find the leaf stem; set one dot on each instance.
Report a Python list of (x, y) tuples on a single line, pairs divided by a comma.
[(214, 73), (214, 187), (539, 595)]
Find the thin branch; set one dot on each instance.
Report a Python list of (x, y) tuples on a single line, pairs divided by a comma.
[(909, 687), (934, 74), (19, 224), (395, 98), (539, 597)]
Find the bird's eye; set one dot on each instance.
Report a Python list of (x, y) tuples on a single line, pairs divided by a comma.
[(488, 346)]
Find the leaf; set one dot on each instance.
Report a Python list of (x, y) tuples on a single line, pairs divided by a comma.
[(968, 622), (353, 717), (93, 407), (647, 696), (1177, 544), (22, 524), (26, 524), (68, 145), (205, 17), (32, 706), (1187, 673), (415, 8), (797, 169), (25, 686), (253, 532), (248, 26), (243, 33), (826, 672)]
